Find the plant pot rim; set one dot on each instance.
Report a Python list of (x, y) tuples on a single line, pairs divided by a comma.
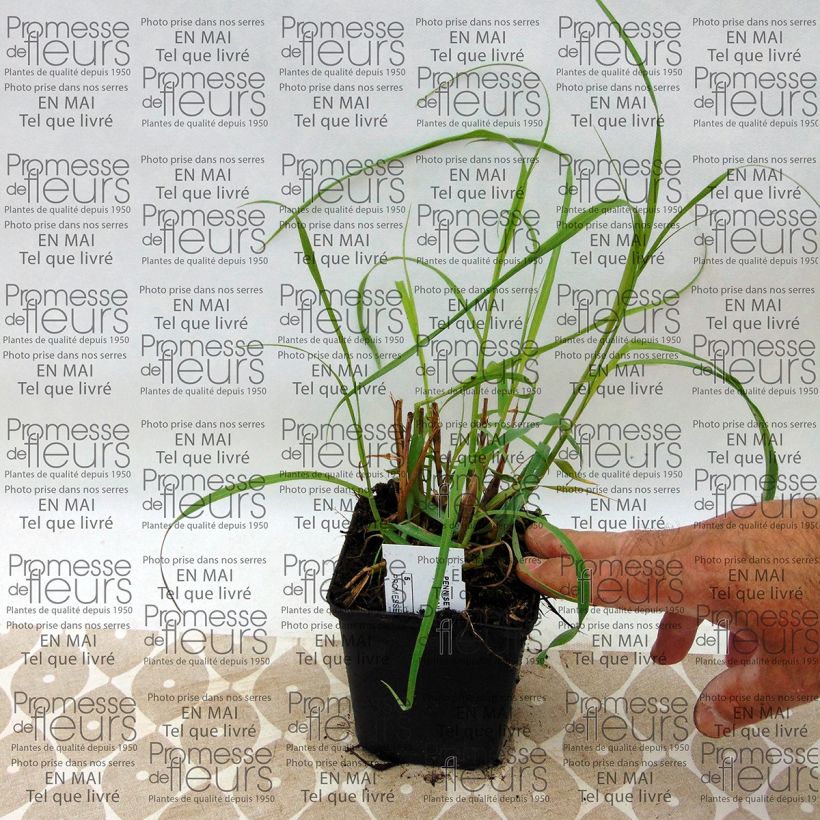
[(381, 616)]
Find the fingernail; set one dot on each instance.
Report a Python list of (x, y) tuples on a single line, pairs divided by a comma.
[(707, 719)]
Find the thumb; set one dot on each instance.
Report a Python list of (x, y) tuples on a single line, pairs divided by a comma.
[(742, 695)]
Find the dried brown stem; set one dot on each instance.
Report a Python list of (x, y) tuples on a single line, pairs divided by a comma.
[(366, 571), (435, 426), (414, 475), (444, 488), (398, 428), (359, 581), (492, 488), (408, 434), (404, 486), (420, 421), (482, 423)]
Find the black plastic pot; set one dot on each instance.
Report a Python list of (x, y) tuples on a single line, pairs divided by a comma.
[(465, 684)]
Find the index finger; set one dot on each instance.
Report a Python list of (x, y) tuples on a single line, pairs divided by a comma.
[(592, 544), (635, 583)]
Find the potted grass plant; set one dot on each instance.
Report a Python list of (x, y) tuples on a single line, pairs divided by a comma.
[(434, 684)]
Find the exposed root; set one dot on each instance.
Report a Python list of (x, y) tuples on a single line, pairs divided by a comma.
[(360, 580)]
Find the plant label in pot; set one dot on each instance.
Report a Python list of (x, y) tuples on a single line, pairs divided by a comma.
[(410, 573)]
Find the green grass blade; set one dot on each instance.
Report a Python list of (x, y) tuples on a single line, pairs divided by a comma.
[(698, 197), (573, 488), (477, 134), (698, 363), (570, 472), (549, 275), (253, 483), (515, 433), (409, 306), (364, 331), (456, 490), (451, 285), (657, 152), (654, 183), (582, 578), (257, 482), (407, 530), (310, 261), (574, 226)]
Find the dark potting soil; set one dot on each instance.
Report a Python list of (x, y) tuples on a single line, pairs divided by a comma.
[(494, 593)]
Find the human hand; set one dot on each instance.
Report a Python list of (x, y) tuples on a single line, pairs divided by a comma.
[(753, 571)]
